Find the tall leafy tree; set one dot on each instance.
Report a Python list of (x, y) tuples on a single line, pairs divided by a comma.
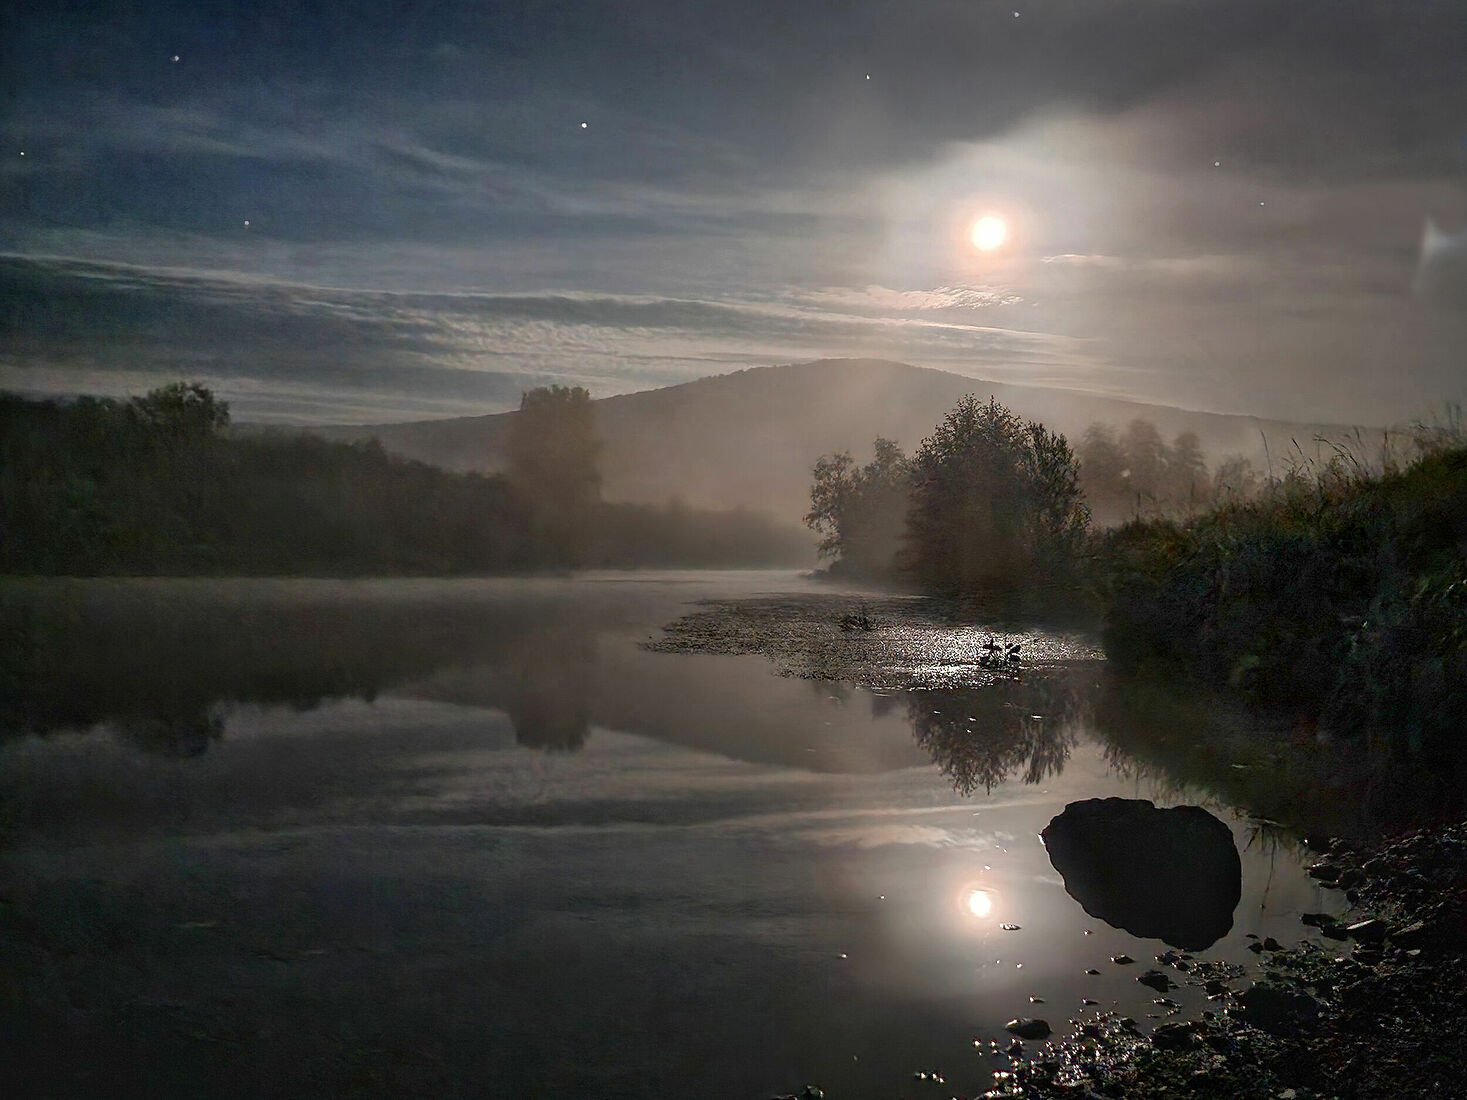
[(860, 512), (552, 453), (996, 503)]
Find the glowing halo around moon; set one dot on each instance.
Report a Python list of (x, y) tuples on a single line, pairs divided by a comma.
[(989, 233), (980, 903)]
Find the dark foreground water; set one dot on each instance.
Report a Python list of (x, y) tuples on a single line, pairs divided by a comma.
[(474, 839)]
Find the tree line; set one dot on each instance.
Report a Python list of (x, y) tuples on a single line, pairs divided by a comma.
[(158, 484), (1133, 473), (991, 501)]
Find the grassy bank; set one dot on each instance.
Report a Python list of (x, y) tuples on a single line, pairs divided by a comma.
[(1337, 601)]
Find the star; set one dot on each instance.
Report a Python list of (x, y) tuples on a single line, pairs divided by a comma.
[(174, 59), (583, 126), (247, 223), (1217, 164)]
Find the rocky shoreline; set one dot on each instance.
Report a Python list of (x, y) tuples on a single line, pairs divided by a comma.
[(1383, 1016)]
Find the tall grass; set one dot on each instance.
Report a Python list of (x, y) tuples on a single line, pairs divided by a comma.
[(1337, 594)]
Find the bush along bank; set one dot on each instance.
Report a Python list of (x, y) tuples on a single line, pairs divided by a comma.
[(1380, 1011), (1340, 600)]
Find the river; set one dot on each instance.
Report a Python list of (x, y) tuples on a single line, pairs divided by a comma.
[(477, 838)]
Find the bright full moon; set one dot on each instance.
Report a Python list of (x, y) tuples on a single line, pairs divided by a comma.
[(980, 903), (989, 232)]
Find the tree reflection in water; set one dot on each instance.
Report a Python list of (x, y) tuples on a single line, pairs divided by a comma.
[(547, 699), (1021, 725)]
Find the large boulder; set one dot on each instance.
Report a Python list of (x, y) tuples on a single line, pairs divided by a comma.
[(1172, 875)]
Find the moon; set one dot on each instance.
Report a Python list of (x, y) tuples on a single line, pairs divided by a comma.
[(980, 903), (989, 232)]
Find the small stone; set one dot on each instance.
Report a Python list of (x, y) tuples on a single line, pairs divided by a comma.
[(1010, 927), (1370, 930), (1157, 981), (1277, 1010), (1092, 971), (1174, 1036), (1122, 960), (1026, 1027), (1272, 944), (1088, 1002), (1412, 935)]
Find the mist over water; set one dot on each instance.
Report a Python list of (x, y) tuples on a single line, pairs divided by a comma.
[(397, 836)]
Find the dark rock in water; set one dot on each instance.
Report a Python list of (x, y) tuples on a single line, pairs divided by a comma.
[(1317, 920), (1172, 875), (1334, 932), (1351, 877), (1122, 960), (1092, 971), (1277, 1010), (1157, 981), (1026, 1027)]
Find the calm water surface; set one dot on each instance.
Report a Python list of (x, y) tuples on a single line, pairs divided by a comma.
[(471, 838)]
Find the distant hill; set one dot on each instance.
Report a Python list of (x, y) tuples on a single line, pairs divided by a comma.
[(750, 438)]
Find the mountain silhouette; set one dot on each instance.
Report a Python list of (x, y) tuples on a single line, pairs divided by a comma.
[(749, 438)]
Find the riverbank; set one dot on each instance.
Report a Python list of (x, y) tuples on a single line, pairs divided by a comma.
[(1385, 1015), (1336, 601)]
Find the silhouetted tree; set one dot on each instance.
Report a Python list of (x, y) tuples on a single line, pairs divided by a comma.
[(552, 453), (182, 411), (860, 512), (1187, 482), (1146, 459), (996, 503), (1235, 479)]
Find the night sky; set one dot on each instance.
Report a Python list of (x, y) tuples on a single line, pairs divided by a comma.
[(369, 211)]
